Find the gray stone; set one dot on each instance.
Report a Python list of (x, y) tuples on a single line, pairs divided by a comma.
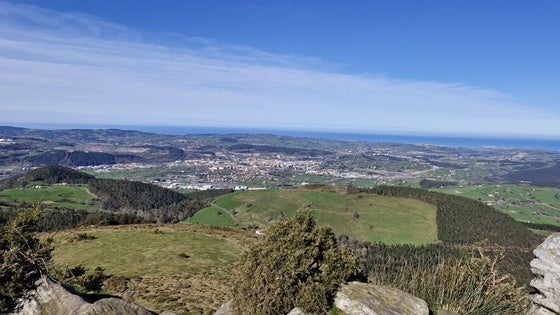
[(225, 309), (358, 298), (52, 298), (297, 311), (538, 310), (546, 267), (112, 306)]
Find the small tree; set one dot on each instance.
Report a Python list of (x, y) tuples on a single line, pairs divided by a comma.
[(298, 263), (23, 257)]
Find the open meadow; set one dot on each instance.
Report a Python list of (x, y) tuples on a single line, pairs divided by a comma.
[(523, 202), (181, 267), (69, 196), (366, 217)]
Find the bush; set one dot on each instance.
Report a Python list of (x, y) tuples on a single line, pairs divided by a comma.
[(81, 279), (470, 284), (298, 263), (80, 237), (23, 257)]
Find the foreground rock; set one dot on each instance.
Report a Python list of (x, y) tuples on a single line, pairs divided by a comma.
[(225, 309), (52, 298), (358, 298), (546, 267)]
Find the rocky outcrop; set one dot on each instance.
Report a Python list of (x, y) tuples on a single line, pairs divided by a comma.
[(52, 298), (358, 298), (110, 306), (546, 267)]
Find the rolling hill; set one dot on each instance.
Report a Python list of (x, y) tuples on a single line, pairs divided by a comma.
[(83, 191), (366, 217)]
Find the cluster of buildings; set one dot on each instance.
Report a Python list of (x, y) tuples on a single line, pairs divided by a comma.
[(223, 168)]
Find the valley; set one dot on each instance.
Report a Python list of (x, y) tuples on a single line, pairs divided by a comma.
[(166, 218), (257, 161)]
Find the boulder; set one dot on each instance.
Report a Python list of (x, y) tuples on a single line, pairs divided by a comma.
[(110, 306), (298, 311), (51, 297), (546, 267), (225, 309), (357, 298)]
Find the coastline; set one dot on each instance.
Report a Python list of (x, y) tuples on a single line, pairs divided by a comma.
[(452, 141)]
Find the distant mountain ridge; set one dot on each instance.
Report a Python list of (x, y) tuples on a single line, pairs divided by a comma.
[(83, 147), (92, 147)]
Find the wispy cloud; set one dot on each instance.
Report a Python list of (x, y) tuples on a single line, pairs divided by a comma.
[(69, 67)]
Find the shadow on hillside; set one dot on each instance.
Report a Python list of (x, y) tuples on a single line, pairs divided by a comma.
[(90, 297), (94, 297)]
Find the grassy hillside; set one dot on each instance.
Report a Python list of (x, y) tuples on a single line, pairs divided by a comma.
[(53, 174), (522, 202), (367, 217), (187, 267), (69, 196), (148, 201), (183, 268)]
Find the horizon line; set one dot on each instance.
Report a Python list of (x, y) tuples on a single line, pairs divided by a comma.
[(270, 130)]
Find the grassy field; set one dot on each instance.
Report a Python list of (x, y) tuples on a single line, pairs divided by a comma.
[(70, 196), (522, 202), (183, 268), (138, 174), (366, 217), (214, 215)]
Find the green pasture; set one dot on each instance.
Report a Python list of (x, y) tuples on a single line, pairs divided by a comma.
[(213, 215), (522, 202), (69, 196), (368, 217), (140, 251), (138, 174)]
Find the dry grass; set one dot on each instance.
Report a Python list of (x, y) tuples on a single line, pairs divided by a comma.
[(468, 285)]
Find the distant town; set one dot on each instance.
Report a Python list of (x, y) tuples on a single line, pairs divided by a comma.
[(244, 161)]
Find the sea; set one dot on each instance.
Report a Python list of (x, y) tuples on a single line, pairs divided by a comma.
[(549, 144)]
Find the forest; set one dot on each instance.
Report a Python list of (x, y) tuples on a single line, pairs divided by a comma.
[(81, 158), (118, 201)]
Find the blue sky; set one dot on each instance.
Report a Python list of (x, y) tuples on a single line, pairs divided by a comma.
[(407, 67)]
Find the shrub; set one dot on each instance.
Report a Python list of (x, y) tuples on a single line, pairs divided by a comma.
[(81, 279), (23, 257), (80, 237), (298, 263)]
